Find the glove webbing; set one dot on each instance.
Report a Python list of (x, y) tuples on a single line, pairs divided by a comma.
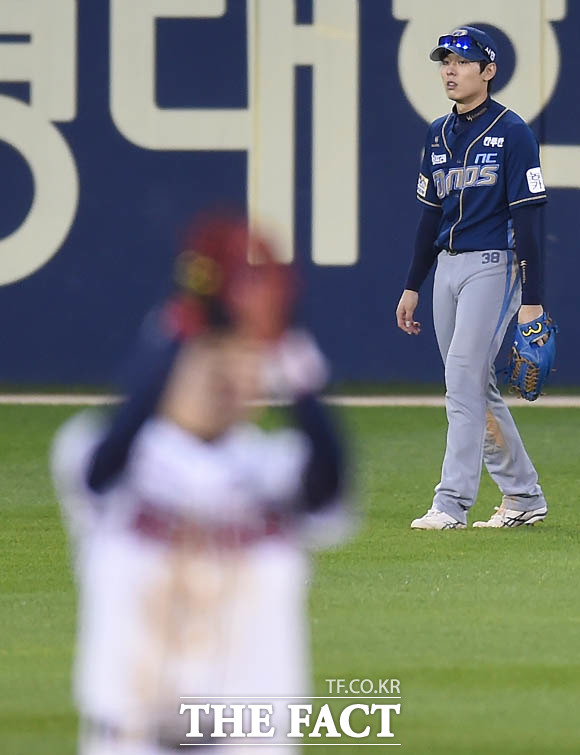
[(532, 375)]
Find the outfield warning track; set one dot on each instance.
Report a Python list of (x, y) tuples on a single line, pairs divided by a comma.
[(41, 399)]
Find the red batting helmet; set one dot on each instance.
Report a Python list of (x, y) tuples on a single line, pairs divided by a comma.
[(227, 276)]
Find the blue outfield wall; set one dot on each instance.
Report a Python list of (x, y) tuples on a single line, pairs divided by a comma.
[(120, 119)]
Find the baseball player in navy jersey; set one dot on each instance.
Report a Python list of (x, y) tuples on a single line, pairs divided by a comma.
[(190, 522), (482, 192)]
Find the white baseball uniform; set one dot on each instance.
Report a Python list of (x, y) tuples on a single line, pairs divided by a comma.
[(192, 576)]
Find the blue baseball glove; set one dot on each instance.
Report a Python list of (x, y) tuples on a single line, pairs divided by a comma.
[(532, 356)]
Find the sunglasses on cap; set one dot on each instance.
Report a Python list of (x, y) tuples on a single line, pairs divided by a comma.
[(464, 42)]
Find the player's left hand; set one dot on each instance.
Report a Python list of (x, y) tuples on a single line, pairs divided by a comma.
[(532, 356), (528, 313)]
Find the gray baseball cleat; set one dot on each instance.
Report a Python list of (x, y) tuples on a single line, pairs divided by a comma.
[(505, 517), (436, 520)]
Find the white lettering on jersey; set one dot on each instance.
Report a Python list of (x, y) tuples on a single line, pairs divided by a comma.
[(535, 180), (485, 157), (460, 178), (493, 141), (422, 184), (438, 159)]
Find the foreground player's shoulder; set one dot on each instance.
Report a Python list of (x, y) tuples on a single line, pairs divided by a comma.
[(435, 141), (524, 180), (71, 454), (515, 127), (434, 154), (438, 122), (435, 127), (73, 446)]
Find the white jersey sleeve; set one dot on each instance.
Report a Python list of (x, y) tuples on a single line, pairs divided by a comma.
[(72, 450)]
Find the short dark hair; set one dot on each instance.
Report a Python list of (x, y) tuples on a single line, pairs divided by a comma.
[(482, 66)]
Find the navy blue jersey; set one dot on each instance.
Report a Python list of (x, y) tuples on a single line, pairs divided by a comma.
[(477, 175)]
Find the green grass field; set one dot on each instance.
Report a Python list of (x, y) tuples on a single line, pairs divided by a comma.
[(482, 628)]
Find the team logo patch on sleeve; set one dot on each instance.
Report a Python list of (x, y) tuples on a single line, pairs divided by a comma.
[(422, 185), (535, 180)]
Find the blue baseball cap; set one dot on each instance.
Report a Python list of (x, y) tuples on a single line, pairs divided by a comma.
[(468, 42)]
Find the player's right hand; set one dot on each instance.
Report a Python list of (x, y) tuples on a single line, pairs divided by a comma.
[(405, 312)]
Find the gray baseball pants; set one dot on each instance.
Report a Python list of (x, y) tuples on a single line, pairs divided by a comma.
[(475, 296)]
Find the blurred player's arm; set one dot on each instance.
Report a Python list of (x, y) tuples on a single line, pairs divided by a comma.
[(424, 255), (297, 370), (149, 372), (328, 516), (91, 449), (324, 473)]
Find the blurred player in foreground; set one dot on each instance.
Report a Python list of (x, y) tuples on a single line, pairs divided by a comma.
[(481, 189), (189, 522)]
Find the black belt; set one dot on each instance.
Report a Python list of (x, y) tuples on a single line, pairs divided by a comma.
[(454, 252)]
